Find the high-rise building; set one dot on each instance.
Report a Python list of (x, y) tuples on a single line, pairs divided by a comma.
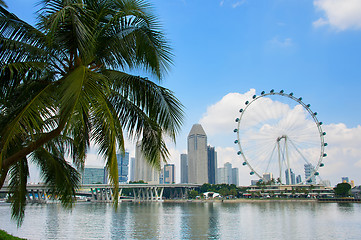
[(221, 176), (254, 182), (123, 162), (298, 179), (143, 170), (309, 169), (168, 174), (235, 176), (212, 165), (197, 155), (132, 169), (267, 177), (345, 179), (94, 175), (184, 168), (161, 177), (227, 174), (293, 179)]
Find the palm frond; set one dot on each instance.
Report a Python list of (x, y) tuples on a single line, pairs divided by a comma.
[(57, 173), (157, 102), (18, 173), (28, 120), (2, 3)]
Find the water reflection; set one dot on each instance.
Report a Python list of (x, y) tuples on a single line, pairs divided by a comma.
[(267, 220)]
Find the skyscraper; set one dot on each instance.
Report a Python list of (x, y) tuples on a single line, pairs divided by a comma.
[(227, 174), (298, 179), (212, 165), (293, 179), (235, 176), (143, 170), (93, 175), (184, 168), (309, 169), (197, 155), (267, 177), (221, 176), (123, 162), (168, 174), (132, 169)]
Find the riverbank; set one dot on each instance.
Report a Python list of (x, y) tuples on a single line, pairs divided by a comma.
[(238, 200)]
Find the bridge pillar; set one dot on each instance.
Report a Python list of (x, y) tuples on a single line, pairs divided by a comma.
[(152, 196), (93, 195), (106, 194), (161, 193)]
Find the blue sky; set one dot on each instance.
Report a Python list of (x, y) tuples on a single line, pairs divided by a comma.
[(309, 47)]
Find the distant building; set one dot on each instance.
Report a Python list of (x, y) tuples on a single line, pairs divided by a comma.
[(94, 175), (356, 192), (132, 169), (352, 183), (309, 176), (228, 172), (197, 155), (161, 177), (212, 164), (235, 176), (267, 177), (168, 174), (221, 176), (293, 180), (227, 175), (298, 179), (123, 162), (143, 170), (184, 168), (254, 182), (345, 179)]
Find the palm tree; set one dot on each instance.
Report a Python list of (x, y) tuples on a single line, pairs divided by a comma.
[(64, 84)]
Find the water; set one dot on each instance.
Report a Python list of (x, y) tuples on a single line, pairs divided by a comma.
[(259, 220)]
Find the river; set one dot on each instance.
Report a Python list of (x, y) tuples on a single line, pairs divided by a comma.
[(213, 220)]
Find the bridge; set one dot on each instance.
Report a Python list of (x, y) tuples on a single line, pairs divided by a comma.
[(40, 193)]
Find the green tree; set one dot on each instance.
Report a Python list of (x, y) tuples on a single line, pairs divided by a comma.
[(64, 84), (206, 187), (193, 194), (233, 192), (224, 192), (342, 190)]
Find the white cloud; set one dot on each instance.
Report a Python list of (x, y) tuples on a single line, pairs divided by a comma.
[(220, 116), (237, 4), (278, 42), (340, 14), (343, 150)]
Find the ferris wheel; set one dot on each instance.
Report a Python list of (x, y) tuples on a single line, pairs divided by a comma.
[(280, 138)]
